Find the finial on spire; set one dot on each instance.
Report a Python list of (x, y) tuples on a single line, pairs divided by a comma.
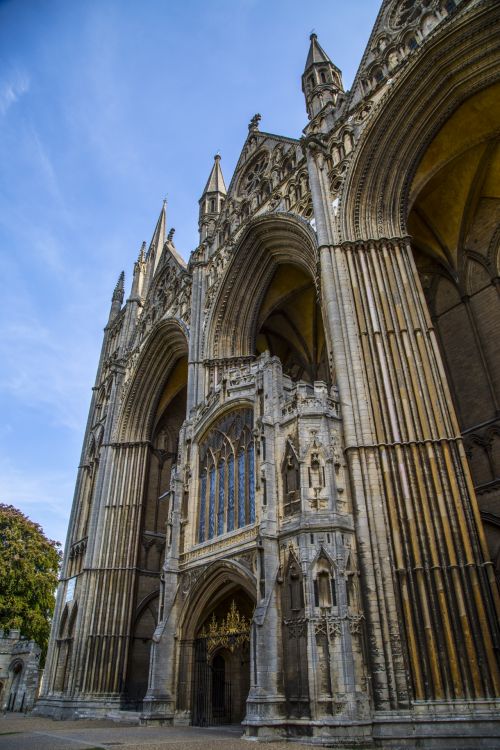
[(170, 235), (217, 156), (142, 252), (254, 122)]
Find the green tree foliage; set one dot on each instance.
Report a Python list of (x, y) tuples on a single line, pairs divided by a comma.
[(29, 564)]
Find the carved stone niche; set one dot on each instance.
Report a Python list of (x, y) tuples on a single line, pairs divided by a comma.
[(290, 470), (316, 477)]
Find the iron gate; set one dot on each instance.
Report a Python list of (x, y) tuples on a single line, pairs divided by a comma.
[(212, 692)]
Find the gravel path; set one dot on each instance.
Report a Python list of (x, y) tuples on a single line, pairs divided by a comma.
[(19, 732)]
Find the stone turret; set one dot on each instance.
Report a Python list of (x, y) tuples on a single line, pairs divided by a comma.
[(321, 79), (212, 200)]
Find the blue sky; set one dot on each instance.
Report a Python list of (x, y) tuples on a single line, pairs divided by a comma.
[(107, 106)]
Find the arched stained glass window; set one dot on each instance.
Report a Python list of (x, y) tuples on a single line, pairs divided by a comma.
[(222, 493), (241, 486), (211, 504), (251, 485), (203, 501), (230, 493), (227, 458)]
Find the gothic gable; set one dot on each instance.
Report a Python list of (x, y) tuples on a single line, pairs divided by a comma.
[(398, 32), (270, 175)]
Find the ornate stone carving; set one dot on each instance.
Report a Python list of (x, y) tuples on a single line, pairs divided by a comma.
[(231, 632), (296, 628)]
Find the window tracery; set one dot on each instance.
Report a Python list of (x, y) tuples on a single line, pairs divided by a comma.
[(227, 476), (253, 176)]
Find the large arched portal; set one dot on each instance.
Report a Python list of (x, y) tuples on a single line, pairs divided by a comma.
[(168, 411), (221, 678), (454, 221), (290, 325), (275, 258), (213, 674)]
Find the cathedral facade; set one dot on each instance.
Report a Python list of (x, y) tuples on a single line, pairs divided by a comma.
[(288, 506)]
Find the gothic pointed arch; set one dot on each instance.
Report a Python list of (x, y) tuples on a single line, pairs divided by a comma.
[(214, 635), (226, 468), (324, 581), (65, 640), (217, 582), (145, 621), (426, 169), (376, 194), (165, 346), (149, 426), (266, 242)]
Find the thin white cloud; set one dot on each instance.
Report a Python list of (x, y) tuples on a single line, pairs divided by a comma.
[(45, 496), (44, 372), (12, 90)]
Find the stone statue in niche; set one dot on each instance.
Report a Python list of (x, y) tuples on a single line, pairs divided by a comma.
[(337, 451), (291, 481), (316, 492)]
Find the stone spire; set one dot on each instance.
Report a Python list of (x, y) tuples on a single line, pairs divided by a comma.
[(139, 273), (158, 239), (117, 298), (321, 79), (212, 200)]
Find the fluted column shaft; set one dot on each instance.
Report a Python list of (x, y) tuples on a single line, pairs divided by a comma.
[(428, 586), (439, 551), (103, 641)]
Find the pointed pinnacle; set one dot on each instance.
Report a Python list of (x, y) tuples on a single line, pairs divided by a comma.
[(215, 182), (119, 288), (316, 53)]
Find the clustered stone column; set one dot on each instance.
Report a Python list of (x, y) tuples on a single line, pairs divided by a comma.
[(418, 525)]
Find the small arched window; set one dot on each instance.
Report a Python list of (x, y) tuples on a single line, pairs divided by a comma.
[(322, 76), (212, 205), (325, 589), (227, 476)]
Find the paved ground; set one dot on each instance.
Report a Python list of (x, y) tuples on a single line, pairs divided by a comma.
[(19, 732)]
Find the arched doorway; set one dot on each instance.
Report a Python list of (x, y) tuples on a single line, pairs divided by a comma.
[(168, 417), (454, 220), (15, 702), (65, 646), (221, 678)]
